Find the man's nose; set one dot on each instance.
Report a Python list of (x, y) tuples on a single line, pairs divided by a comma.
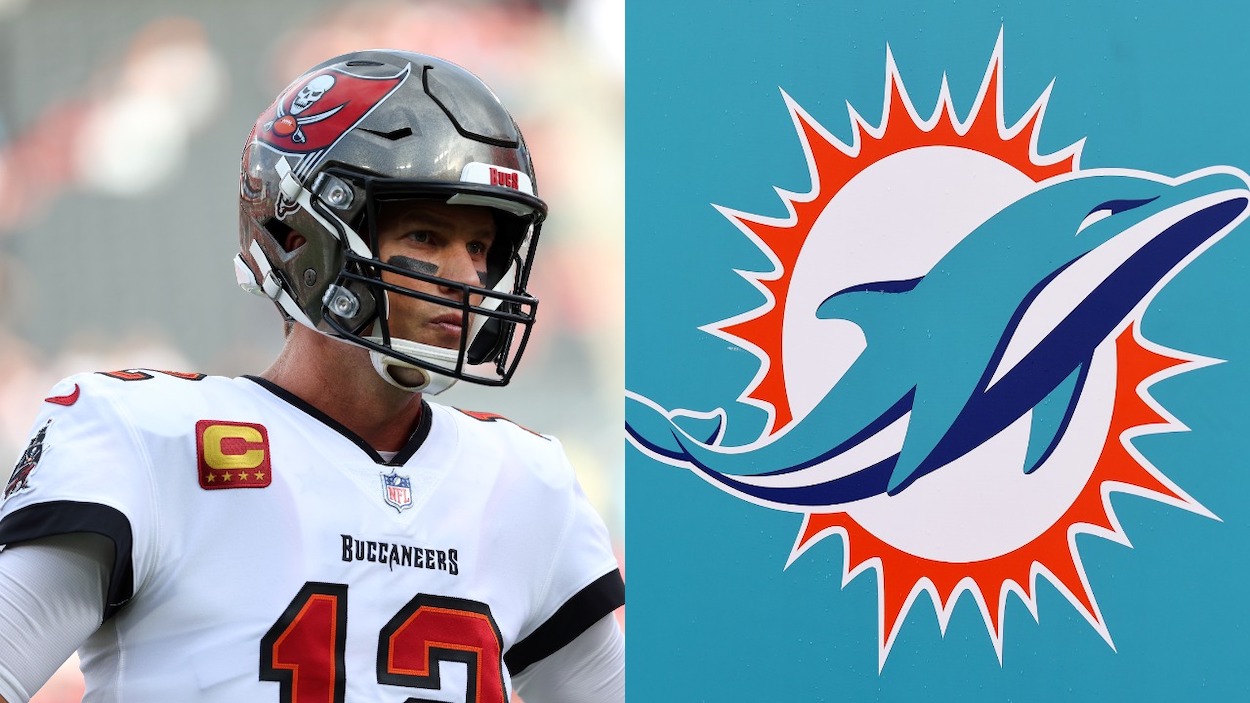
[(460, 267)]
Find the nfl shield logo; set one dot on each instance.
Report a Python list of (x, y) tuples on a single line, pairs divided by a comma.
[(397, 490)]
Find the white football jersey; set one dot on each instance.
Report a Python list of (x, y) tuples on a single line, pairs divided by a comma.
[(265, 553)]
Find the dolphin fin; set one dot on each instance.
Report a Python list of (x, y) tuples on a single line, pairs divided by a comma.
[(932, 413), (1051, 418), (932, 419), (857, 301)]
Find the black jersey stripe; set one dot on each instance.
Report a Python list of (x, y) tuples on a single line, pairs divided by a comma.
[(65, 517), (587, 607)]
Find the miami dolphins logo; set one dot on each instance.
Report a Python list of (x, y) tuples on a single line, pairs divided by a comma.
[(951, 356)]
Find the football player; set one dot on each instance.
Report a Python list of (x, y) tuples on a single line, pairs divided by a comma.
[(323, 532)]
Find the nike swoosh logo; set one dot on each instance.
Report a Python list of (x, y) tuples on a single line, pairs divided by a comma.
[(66, 400)]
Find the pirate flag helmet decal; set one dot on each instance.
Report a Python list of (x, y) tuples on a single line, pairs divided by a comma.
[(346, 138), (319, 110)]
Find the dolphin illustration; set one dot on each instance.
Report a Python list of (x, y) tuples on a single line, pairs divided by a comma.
[(1005, 324)]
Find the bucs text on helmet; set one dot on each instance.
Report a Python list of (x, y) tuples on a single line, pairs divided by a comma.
[(350, 135)]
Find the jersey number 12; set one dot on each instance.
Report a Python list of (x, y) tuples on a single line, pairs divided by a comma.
[(304, 650)]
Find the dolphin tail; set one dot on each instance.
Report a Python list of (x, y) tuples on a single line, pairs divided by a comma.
[(649, 428), (691, 440), (668, 435), (707, 430)]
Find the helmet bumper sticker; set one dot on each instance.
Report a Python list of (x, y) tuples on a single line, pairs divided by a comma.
[(491, 175)]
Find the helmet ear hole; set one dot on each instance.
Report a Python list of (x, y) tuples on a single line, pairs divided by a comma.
[(283, 235)]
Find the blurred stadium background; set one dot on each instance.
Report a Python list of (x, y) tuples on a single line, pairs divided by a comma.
[(121, 125)]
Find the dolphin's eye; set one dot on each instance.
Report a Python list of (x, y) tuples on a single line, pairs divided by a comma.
[(1109, 208)]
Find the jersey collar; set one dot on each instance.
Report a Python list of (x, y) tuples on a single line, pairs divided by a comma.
[(414, 442)]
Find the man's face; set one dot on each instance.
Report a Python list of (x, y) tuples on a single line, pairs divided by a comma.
[(448, 241)]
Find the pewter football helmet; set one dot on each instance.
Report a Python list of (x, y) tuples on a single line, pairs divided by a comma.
[(369, 127)]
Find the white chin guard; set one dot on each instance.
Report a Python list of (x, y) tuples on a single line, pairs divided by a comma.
[(431, 382)]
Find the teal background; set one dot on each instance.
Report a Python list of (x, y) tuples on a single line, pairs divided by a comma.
[(713, 614)]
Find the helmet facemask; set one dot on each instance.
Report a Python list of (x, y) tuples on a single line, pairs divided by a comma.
[(495, 317)]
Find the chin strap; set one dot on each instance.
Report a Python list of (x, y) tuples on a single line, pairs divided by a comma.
[(431, 382)]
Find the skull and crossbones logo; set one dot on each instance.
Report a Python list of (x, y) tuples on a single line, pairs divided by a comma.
[(311, 93), (289, 124)]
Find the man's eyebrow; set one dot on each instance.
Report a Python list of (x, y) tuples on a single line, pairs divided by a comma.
[(424, 217)]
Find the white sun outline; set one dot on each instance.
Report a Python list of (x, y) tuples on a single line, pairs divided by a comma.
[(750, 225)]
